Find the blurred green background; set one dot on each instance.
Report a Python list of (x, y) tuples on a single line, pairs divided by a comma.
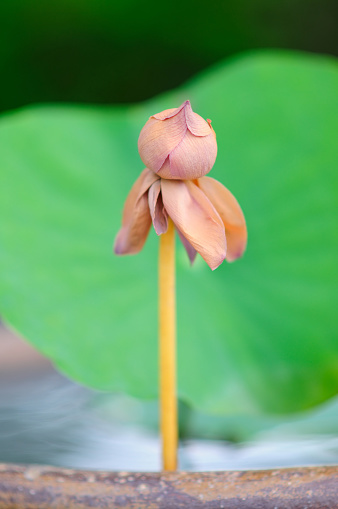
[(257, 337), (108, 51)]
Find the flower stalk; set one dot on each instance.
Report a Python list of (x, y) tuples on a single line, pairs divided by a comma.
[(178, 148), (167, 349)]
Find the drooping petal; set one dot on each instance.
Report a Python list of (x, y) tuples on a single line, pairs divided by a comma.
[(191, 251), (136, 220), (193, 157), (157, 211), (195, 216), (231, 214)]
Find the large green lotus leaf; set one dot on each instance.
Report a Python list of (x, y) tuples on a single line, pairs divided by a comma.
[(258, 335)]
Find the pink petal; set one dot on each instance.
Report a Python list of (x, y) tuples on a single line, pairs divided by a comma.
[(165, 170), (193, 157), (194, 215), (191, 251), (157, 211), (158, 138), (136, 220), (196, 124), (178, 144), (163, 115), (231, 214)]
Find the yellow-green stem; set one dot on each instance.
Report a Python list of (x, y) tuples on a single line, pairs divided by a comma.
[(167, 349)]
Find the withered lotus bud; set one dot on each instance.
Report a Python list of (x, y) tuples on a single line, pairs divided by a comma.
[(178, 144)]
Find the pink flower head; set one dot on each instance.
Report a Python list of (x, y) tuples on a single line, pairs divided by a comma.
[(178, 144), (206, 215)]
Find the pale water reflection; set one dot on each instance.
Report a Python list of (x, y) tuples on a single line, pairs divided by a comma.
[(50, 420), (46, 419)]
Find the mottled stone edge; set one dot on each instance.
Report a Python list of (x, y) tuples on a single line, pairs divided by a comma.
[(44, 487)]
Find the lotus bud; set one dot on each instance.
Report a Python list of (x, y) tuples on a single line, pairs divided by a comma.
[(178, 144)]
